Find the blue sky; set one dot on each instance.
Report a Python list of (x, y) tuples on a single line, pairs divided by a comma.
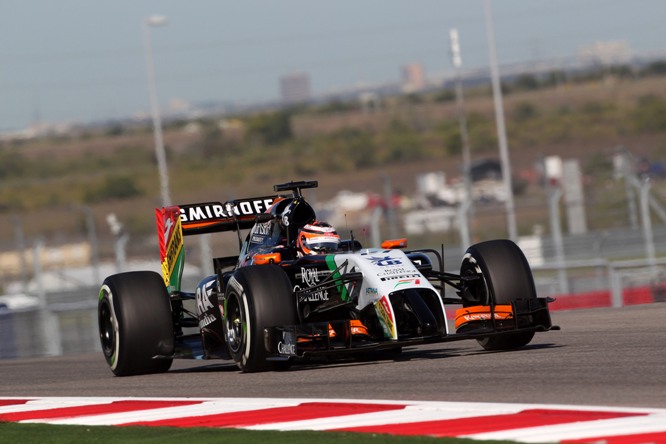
[(82, 60)]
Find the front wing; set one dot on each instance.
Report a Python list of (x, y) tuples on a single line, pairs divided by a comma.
[(339, 337)]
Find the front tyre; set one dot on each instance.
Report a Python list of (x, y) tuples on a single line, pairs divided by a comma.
[(135, 323), (256, 297), (505, 276)]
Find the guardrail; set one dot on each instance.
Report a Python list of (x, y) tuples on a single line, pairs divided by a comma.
[(597, 283), (67, 322)]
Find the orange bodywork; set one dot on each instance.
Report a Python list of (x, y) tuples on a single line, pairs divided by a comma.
[(356, 326), (394, 243), (482, 313), (268, 258)]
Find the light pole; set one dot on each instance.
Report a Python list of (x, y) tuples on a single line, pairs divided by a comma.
[(156, 20), (501, 130), (92, 240), (466, 206)]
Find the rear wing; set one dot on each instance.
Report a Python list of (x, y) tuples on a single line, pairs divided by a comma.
[(210, 217), (213, 217)]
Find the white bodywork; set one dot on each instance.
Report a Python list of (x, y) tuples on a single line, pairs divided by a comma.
[(384, 272)]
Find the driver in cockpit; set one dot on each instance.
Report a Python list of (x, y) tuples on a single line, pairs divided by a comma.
[(317, 237)]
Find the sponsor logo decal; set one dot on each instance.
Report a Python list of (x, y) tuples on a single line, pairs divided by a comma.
[(168, 225), (173, 249), (204, 305), (263, 229), (311, 277), (287, 346), (383, 309), (385, 261), (483, 316), (407, 281), (207, 320), (400, 276), (203, 297), (286, 349), (285, 217), (394, 271), (311, 296), (216, 210)]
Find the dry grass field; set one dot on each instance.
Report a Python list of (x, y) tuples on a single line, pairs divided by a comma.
[(45, 181)]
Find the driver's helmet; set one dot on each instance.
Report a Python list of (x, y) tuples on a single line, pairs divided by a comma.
[(317, 238)]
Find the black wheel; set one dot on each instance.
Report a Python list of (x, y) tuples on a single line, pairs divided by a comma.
[(256, 297), (505, 277), (135, 323)]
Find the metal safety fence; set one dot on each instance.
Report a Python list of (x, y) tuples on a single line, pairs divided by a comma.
[(67, 321)]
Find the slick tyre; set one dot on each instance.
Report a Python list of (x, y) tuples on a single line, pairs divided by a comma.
[(256, 297), (505, 277), (135, 323)]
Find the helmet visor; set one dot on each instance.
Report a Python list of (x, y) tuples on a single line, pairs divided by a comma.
[(322, 244)]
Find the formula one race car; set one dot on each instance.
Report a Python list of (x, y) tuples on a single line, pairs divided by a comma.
[(297, 291)]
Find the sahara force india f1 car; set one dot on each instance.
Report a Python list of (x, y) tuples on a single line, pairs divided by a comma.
[(270, 306)]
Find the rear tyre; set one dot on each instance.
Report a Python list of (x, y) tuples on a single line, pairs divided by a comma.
[(135, 323), (256, 297), (505, 277)]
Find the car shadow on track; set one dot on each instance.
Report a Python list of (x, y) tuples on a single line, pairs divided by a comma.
[(407, 354), (222, 367), (419, 353), (479, 351)]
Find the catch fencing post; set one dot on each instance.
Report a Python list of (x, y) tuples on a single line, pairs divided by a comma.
[(48, 321), (616, 286)]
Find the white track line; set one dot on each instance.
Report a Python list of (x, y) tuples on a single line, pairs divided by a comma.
[(651, 421)]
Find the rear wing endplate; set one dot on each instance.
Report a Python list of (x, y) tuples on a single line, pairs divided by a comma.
[(174, 222)]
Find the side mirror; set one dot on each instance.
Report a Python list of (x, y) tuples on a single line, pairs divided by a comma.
[(394, 243)]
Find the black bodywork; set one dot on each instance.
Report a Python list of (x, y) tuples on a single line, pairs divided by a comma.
[(325, 302)]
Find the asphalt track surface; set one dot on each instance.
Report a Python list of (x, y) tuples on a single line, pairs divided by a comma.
[(610, 357)]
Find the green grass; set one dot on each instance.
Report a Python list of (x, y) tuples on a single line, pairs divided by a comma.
[(61, 434)]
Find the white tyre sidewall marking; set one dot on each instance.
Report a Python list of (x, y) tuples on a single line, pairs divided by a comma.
[(248, 329), (245, 318), (114, 321)]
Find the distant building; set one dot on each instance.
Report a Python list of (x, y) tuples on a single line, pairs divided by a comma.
[(295, 88), (413, 77), (607, 53)]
